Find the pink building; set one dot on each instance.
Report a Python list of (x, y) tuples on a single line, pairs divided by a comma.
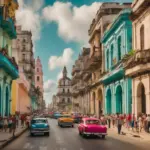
[(39, 76)]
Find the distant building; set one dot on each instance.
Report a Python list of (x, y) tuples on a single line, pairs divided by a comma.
[(64, 93), (39, 79)]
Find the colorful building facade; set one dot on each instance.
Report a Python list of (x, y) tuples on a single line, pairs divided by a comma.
[(20, 94), (117, 42), (138, 66), (8, 65)]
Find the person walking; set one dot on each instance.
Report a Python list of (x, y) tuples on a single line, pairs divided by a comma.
[(10, 123), (119, 123), (13, 125), (109, 121), (148, 123), (5, 124), (17, 120)]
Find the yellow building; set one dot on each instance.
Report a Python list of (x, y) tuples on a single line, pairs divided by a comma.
[(20, 95)]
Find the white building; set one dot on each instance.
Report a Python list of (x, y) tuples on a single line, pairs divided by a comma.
[(64, 93)]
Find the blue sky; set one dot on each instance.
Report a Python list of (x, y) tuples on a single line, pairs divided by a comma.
[(59, 32)]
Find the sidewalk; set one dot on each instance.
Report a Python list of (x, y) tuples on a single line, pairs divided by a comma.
[(142, 134), (6, 137)]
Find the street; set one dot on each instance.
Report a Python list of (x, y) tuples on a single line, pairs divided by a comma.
[(69, 139)]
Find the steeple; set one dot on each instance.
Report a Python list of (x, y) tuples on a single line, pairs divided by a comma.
[(64, 72)]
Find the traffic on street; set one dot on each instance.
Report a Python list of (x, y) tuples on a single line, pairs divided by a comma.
[(68, 138)]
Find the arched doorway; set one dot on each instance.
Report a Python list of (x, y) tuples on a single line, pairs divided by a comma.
[(94, 102), (7, 102), (100, 101), (119, 99), (108, 101), (141, 99)]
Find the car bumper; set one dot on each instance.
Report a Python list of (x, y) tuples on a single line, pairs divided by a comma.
[(65, 123), (98, 134), (39, 131)]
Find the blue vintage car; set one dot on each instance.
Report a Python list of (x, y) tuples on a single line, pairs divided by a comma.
[(39, 125), (57, 115)]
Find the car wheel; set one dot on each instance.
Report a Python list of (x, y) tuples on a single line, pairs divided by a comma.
[(47, 133), (31, 134), (103, 136)]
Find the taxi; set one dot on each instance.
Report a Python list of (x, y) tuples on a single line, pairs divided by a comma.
[(66, 121)]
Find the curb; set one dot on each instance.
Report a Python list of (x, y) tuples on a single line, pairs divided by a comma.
[(12, 139)]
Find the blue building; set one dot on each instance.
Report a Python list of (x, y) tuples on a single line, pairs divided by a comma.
[(117, 42), (8, 66)]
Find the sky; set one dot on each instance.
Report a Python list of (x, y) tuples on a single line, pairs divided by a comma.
[(59, 31)]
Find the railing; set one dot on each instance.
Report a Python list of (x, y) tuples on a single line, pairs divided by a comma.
[(140, 57)]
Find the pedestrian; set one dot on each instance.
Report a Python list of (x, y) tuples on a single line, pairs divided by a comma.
[(10, 123), (22, 120), (13, 125), (17, 120), (28, 121), (5, 124), (133, 122), (140, 123), (148, 123), (113, 120), (109, 121), (119, 123)]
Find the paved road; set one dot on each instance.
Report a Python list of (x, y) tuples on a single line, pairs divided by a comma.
[(68, 139)]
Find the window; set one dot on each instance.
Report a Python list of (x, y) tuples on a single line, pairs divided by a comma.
[(23, 56), (142, 37), (63, 100), (68, 100), (107, 55), (112, 49), (68, 91), (119, 48), (38, 78), (63, 90)]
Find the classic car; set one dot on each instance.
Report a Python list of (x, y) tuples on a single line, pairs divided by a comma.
[(92, 126), (77, 118), (39, 125), (57, 115), (66, 120)]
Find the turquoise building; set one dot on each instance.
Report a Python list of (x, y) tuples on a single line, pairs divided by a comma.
[(8, 66), (117, 42)]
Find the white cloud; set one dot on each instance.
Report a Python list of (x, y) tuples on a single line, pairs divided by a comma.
[(59, 75), (28, 16), (73, 22), (49, 85), (60, 61)]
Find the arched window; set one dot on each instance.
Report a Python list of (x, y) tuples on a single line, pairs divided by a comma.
[(119, 48), (63, 100), (112, 50), (63, 90), (107, 58), (38, 78), (142, 37), (69, 100), (68, 91)]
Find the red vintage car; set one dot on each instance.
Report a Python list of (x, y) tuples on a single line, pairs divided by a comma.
[(92, 126)]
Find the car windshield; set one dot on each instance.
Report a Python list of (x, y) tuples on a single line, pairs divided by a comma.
[(92, 122), (39, 121)]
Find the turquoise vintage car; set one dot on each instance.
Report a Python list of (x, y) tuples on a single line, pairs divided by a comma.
[(39, 125), (57, 115)]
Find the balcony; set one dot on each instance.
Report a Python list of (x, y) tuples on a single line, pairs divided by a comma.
[(139, 63), (64, 94), (93, 62), (8, 63)]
